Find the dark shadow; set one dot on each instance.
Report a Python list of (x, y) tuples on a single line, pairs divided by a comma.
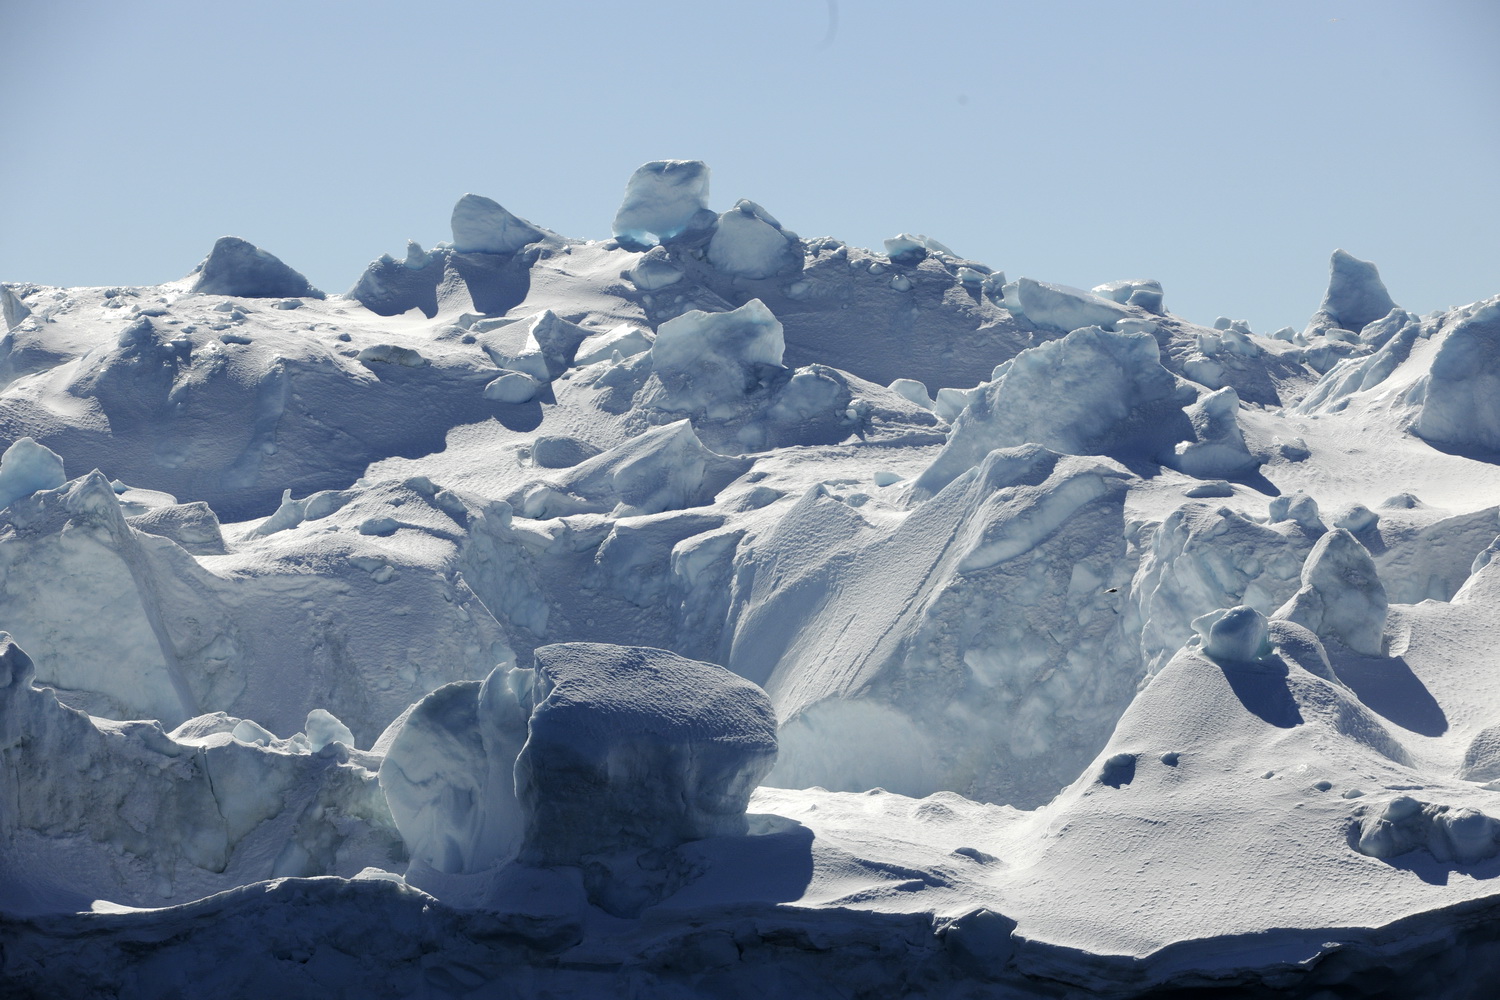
[(773, 864), (1118, 771), (1256, 481), (1434, 872), (1472, 452), (1262, 689), (1387, 687)]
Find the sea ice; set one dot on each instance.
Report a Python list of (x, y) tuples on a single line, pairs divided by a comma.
[(663, 199), (235, 267), (481, 225)]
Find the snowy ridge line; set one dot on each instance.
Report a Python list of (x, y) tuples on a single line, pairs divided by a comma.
[(712, 610)]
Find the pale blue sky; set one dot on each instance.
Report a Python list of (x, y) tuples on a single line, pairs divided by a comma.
[(1225, 148)]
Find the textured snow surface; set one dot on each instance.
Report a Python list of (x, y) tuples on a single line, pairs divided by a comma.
[(714, 611)]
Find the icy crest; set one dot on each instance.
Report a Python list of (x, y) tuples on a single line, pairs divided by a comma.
[(482, 225), (1356, 296), (235, 267), (27, 467), (1341, 596)]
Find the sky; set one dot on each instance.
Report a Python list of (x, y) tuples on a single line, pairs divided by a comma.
[(1225, 148)]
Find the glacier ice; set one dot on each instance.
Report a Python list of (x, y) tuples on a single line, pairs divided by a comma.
[(26, 467), (663, 199), (1082, 638), (482, 225), (236, 267)]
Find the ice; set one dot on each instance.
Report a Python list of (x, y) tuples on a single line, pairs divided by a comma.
[(1116, 399), (637, 748), (654, 271), (1463, 836), (1062, 307), (235, 267), (392, 354), (909, 247), (1341, 596), (27, 467), (481, 225), (627, 340), (551, 343), (1218, 448), (448, 772), (1355, 297), (663, 199), (913, 390), (1461, 399), (512, 387), (704, 360), (12, 309), (1234, 635), (323, 727), (749, 243), (1143, 293)]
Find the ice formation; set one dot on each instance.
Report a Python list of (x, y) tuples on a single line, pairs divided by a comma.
[(711, 610), (235, 267)]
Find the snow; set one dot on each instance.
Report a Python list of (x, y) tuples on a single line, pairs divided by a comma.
[(726, 611)]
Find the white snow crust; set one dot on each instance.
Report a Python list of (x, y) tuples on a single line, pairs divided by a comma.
[(714, 611)]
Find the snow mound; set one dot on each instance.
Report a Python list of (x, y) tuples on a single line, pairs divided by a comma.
[(481, 225), (663, 199), (1461, 836), (194, 526), (235, 267), (631, 748), (1341, 596), (1355, 298), (27, 467)]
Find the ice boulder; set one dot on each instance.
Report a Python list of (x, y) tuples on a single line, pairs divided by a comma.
[(625, 339), (551, 343), (704, 360), (1355, 297), (654, 270), (666, 468), (1461, 397), (512, 387), (663, 199), (235, 267), (481, 225), (1090, 393), (447, 773), (632, 748), (1341, 594), (748, 242), (1065, 308), (12, 309), (1143, 293), (1218, 446), (27, 467), (1234, 635)]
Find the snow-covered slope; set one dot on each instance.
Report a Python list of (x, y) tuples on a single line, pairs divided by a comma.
[(711, 611)]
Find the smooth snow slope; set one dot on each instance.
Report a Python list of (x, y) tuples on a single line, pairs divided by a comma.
[(434, 636)]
